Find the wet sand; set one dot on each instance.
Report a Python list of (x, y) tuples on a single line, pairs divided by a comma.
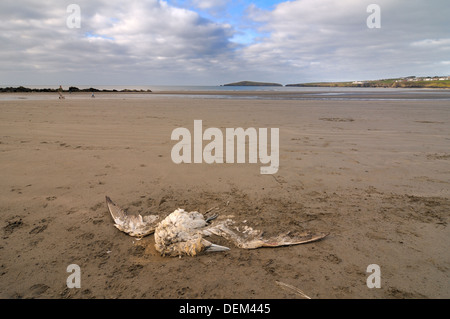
[(375, 175)]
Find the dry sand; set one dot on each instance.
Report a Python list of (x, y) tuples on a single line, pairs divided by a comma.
[(374, 174)]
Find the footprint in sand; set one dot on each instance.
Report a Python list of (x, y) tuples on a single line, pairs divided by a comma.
[(38, 229), (17, 190), (438, 156), (12, 225), (96, 206), (38, 289), (336, 119), (73, 228), (86, 236)]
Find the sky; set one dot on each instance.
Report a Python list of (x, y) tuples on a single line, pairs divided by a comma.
[(213, 42)]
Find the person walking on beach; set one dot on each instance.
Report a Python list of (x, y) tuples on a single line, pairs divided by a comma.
[(61, 97)]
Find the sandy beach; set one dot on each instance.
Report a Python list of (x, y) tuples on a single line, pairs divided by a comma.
[(373, 174)]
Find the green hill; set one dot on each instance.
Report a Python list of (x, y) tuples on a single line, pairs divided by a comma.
[(410, 82)]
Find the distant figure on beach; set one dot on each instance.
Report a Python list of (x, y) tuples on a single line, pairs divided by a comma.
[(61, 97), (92, 95)]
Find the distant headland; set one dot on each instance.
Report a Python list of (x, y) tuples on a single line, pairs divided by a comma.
[(405, 82), (251, 83)]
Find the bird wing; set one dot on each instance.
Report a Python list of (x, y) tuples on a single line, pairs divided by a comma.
[(134, 225), (286, 240), (249, 238)]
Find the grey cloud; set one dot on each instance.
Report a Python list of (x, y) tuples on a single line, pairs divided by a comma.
[(154, 42), (146, 36), (335, 34)]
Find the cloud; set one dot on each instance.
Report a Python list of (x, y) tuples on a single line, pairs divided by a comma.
[(335, 34), (158, 42), (135, 36), (210, 4), (432, 43)]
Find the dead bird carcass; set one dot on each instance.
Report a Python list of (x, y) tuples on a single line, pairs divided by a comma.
[(183, 233)]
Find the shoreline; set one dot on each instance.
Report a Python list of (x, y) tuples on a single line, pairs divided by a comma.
[(356, 94)]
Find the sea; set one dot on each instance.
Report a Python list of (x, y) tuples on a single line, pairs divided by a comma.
[(295, 93)]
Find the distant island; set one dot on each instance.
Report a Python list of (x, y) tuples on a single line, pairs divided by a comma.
[(71, 89), (251, 83), (405, 82)]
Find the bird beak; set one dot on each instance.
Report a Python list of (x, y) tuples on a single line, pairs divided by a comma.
[(216, 248)]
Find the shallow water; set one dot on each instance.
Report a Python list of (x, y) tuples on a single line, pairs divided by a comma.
[(244, 92)]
